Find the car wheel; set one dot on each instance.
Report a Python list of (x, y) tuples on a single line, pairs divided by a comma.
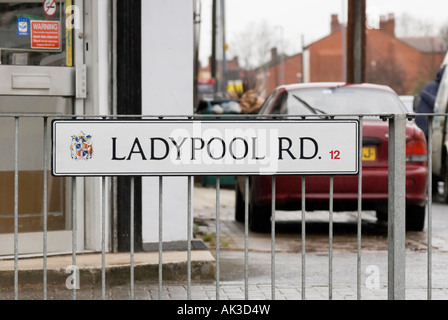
[(260, 218), (381, 216), (240, 206), (415, 218)]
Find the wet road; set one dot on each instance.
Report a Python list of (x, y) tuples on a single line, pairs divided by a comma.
[(288, 228), (288, 247), (289, 273)]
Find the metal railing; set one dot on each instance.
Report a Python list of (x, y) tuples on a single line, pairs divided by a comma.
[(396, 232)]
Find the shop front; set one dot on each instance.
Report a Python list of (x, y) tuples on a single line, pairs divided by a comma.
[(66, 59)]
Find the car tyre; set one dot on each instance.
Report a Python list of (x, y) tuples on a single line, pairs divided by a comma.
[(240, 206), (260, 218), (415, 218), (381, 216)]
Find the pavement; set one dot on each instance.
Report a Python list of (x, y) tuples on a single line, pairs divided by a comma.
[(288, 282), (117, 268)]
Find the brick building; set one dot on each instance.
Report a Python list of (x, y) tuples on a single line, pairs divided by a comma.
[(405, 64), (281, 69)]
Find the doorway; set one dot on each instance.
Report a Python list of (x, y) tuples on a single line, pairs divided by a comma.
[(37, 77)]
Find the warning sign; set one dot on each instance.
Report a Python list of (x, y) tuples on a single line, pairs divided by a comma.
[(45, 35)]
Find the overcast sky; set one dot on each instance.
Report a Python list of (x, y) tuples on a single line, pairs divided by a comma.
[(309, 19)]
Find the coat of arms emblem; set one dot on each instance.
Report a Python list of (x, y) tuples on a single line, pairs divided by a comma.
[(81, 147)]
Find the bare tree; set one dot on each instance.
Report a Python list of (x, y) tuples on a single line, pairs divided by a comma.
[(388, 72), (243, 47), (253, 45), (410, 26), (443, 36)]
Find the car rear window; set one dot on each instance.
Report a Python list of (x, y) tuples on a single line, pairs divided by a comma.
[(342, 100)]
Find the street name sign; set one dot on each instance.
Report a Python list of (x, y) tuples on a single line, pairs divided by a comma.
[(83, 148)]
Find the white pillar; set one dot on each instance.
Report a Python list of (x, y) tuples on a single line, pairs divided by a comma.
[(167, 89), (97, 59)]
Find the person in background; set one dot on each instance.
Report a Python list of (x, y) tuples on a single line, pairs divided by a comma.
[(426, 105), (428, 100), (251, 102)]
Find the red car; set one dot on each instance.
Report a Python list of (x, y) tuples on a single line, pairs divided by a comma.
[(333, 99)]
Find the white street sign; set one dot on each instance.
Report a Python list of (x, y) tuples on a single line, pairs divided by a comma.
[(219, 147)]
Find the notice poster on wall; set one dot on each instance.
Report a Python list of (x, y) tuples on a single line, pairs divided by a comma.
[(45, 35)]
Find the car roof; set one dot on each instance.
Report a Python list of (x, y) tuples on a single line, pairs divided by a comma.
[(296, 86)]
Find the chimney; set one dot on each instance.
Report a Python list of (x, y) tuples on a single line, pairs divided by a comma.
[(335, 24), (274, 53), (236, 60), (387, 24)]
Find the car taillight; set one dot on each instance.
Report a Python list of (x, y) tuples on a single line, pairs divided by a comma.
[(416, 151)]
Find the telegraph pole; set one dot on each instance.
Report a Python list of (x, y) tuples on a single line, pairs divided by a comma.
[(224, 47), (213, 58), (356, 41)]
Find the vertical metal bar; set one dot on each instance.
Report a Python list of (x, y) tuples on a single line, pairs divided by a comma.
[(273, 204), (218, 233), (103, 239), (330, 254), (16, 209), (397, 207), (132, 236), (430, 126), (74, 235), (189, 234), (45, 208), (246, 239), (303, 237), (160, 236), (359, 232)]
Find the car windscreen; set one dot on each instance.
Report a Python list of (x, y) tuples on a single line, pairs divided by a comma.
[(341, 100)]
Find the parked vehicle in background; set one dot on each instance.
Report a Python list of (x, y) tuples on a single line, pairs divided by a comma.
[(409, 102), (323, 99), (440, 136)]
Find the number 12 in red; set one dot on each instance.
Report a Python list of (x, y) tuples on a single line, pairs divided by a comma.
[(335, 155)]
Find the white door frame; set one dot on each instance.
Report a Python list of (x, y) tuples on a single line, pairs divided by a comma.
[(63, 81)]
